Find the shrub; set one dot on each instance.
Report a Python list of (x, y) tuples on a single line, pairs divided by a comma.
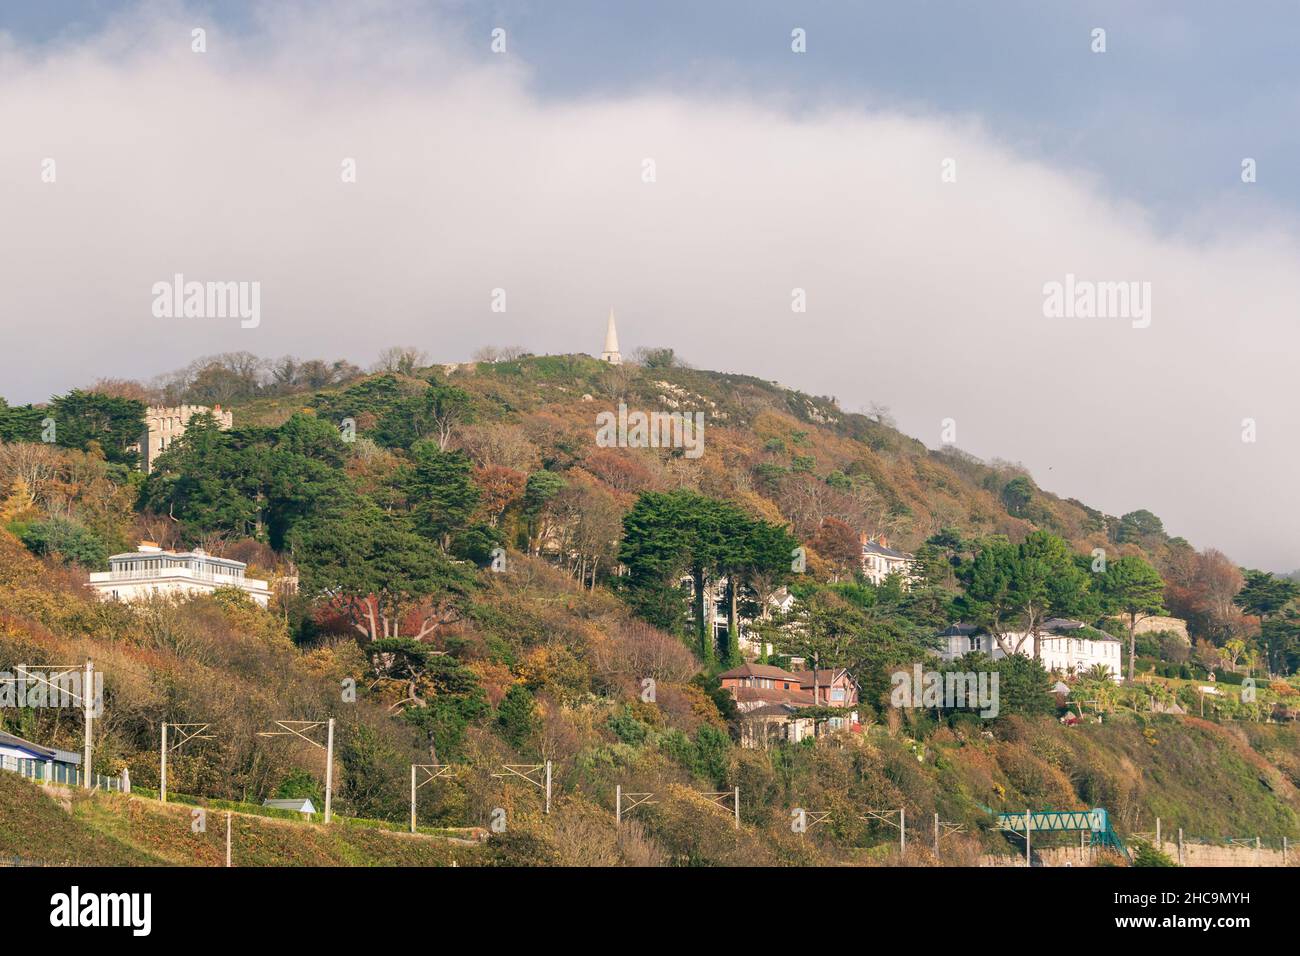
[(516, 717), (1144, 854), (68, 540)]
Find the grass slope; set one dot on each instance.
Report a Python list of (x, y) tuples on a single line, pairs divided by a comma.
[(60, 826)]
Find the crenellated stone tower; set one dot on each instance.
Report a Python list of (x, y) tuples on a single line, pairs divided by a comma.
[(163, 425)]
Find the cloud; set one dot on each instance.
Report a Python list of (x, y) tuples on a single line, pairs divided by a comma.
[(923, 295)]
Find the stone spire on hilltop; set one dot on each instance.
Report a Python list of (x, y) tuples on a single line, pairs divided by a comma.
[(611, 354)]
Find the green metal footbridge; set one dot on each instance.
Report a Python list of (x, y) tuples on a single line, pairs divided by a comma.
[(1095, 822)]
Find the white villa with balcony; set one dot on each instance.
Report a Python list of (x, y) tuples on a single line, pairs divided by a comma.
[(151, 570), (1065, 646)]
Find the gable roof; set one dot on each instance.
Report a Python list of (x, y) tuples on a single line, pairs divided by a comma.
[(872, 547), (769, 710), (766, 671), (1061, 624), (826, 676), (961, 630), (37, 750), (301, 804), (772, 695)]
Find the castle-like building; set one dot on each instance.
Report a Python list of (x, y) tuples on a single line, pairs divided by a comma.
[(163, 425)]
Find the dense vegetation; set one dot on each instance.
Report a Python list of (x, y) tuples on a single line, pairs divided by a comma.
[(480, 583)]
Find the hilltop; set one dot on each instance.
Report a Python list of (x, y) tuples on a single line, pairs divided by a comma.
[(760, 436)]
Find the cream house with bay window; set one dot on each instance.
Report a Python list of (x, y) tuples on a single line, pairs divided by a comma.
[(151, 570)]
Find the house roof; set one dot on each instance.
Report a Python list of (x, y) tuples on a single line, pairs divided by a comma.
[(826, 676), (301, 804), (769, 710), (45, 753), (198, 554), (961, 630), (872, 547), (772, 695), (1061, 624), (759, 670), (1055, 627)]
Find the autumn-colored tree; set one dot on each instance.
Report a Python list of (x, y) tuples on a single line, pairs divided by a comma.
[(502, 489), (840, 546)]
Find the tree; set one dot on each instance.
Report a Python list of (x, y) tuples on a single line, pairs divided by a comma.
[(71, 542), (112, 424), (441, 491), (434, 413), (761, 559), (664, 535), (822, 628), (590, 521), (1139, 525), (1265, 596), (669, 534), (656, 358), (1046, 582), (516, 717), (1023, 683), (1132, 587), (990, 599), (401, 359), (1280, 635), (502, 489), (840, 545), (1017, 494), (1023, 585), (250, 482), (539, 490), (20, 423), (379, 573)]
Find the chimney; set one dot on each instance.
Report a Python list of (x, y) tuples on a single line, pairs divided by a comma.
[(884, 542)]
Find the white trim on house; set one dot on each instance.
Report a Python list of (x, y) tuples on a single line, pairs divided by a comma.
[(151, 570), (1061, 648)]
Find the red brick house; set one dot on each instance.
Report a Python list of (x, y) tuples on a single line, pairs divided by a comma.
[(768, 698)]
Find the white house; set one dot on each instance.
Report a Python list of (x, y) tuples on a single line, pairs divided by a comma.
[(1067, 647), (879, 561), (14, 749), (151, 570)]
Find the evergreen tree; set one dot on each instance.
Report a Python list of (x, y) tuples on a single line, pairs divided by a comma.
[(441, 491), (1131, 587)]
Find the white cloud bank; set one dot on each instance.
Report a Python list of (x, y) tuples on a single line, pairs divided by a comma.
[(921, 294)]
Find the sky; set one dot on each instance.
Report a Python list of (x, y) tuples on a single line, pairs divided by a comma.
[(919, 176)]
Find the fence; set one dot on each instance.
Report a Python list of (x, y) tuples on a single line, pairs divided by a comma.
[(47, 771)]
